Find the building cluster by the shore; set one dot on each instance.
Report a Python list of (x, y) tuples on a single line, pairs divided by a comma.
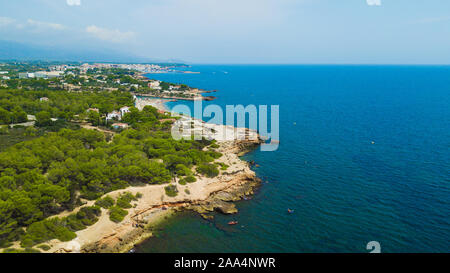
[(41, 75), (148, 68), (57, 71)]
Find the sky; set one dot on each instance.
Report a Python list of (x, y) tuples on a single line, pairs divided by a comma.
[(240, 31)]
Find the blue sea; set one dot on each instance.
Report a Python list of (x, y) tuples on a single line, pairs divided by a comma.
[(364, 156)]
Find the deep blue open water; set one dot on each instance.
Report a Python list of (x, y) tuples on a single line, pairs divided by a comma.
[(345, 190)]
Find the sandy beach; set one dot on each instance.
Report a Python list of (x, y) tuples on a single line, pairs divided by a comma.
[(160, 104)]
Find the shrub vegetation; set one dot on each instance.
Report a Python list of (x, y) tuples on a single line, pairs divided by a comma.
[(171, 190), (116, 214), (105, 202), (207, 169)]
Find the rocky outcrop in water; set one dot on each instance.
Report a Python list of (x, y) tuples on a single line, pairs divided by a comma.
[(222, 201)]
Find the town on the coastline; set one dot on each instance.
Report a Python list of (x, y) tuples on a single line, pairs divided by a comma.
[(96, 76)]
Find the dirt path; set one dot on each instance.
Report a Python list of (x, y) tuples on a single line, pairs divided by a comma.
[(90, 127)]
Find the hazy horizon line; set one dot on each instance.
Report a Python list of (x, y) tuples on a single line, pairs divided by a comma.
[(235, 64)]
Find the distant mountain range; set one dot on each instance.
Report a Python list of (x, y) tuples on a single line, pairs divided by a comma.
[(26, 52)]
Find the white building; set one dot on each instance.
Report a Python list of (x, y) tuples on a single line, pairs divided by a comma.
[(124, 110), (40, 75), (114, 115), (26, 75), (48, 75), (118, 114)]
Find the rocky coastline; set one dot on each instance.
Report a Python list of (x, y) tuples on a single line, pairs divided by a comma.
[(228, 188)]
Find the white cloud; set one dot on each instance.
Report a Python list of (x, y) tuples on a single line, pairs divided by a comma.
[(111, 35), (5, 21), (41, 25), (30, 24), (373, 2), (74, 2)]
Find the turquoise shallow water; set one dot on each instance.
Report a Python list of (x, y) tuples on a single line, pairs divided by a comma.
[(345, 190)]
